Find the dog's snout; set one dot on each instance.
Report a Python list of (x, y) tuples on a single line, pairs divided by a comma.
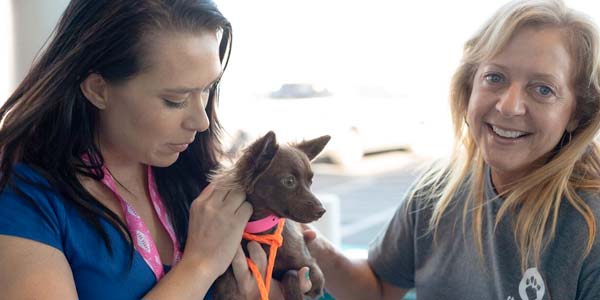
[(320, 212)]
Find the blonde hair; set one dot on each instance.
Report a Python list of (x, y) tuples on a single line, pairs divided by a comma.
[(574, 167)]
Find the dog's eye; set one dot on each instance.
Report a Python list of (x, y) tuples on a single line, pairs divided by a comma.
[(289, 181)]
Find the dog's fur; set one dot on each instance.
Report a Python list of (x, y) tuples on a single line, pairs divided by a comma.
[(277, 180)]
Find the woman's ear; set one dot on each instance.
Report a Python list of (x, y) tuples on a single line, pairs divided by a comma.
[(94, 88)]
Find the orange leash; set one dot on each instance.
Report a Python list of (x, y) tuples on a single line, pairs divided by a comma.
[(275, 240)]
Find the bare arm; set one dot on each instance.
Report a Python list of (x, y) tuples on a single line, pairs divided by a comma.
[(33, 270), (349, 279)]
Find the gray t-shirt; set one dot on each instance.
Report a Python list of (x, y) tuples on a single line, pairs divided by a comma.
[(405, 255)]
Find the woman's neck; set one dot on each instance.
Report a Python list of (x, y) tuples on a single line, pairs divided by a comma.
[(502, 181), (128, 173)]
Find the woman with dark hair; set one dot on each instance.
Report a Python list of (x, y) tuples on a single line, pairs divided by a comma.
[(105, 148)]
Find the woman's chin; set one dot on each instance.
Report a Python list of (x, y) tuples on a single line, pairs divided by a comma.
[(164, 161)]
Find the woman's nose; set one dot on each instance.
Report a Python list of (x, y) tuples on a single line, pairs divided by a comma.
[(511, 102), (197, 118)]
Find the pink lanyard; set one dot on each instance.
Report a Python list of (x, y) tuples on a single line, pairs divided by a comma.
[(140, 234)]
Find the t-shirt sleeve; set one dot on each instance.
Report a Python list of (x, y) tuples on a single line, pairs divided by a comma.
[(391, 254), (588, 285), (29, 209)]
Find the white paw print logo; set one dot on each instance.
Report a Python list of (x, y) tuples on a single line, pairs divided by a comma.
[(510, 298), (532, 285)]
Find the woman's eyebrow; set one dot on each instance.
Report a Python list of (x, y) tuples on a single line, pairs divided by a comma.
[(495, 65), (546, 76), (187, 90), (182, 90)]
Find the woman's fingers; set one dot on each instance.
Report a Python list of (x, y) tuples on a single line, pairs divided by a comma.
[(309, 235), (235, 200), (308, 232), (239, 266), (304, 276), (244, 211), (258, 256), (208, 191), (217, 194), (244, 277)]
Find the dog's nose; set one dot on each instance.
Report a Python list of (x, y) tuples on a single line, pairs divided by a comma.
[(320, 212)]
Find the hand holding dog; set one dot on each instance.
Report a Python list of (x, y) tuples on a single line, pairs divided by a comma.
[(316, 243), (217, 220), (246, 282)]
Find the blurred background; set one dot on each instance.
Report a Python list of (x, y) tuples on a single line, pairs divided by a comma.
[(372, 74)]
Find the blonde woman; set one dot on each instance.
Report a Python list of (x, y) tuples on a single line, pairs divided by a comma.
[(513, 214)]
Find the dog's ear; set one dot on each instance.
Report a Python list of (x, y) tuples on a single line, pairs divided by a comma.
[(313, 147), (257, 158)]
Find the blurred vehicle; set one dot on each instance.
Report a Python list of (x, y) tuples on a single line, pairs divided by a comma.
[(360, 119)]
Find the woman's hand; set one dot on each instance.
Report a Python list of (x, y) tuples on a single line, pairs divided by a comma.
[(245, 278), (276, 292), (316, 244), (217, 220)]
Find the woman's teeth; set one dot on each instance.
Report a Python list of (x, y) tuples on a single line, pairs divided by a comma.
[(508, 133)]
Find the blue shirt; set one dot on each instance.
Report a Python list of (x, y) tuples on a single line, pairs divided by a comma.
[(98, 274)]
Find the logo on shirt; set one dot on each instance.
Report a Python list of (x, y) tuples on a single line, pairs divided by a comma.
[(532, 286)]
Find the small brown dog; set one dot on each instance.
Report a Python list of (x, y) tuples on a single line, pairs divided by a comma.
[(277, 180)]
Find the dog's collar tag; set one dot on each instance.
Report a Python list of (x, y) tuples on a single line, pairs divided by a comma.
[(261, 225)]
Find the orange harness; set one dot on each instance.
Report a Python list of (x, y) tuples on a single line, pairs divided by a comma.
[(275, 240)]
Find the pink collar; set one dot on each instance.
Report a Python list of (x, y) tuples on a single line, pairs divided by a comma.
[(261, 225)]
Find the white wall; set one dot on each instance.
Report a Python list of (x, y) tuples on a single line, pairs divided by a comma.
[(397, 43), (7, 55), (25, 27)]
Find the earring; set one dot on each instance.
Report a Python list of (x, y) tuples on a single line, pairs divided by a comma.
[(566, 138)]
